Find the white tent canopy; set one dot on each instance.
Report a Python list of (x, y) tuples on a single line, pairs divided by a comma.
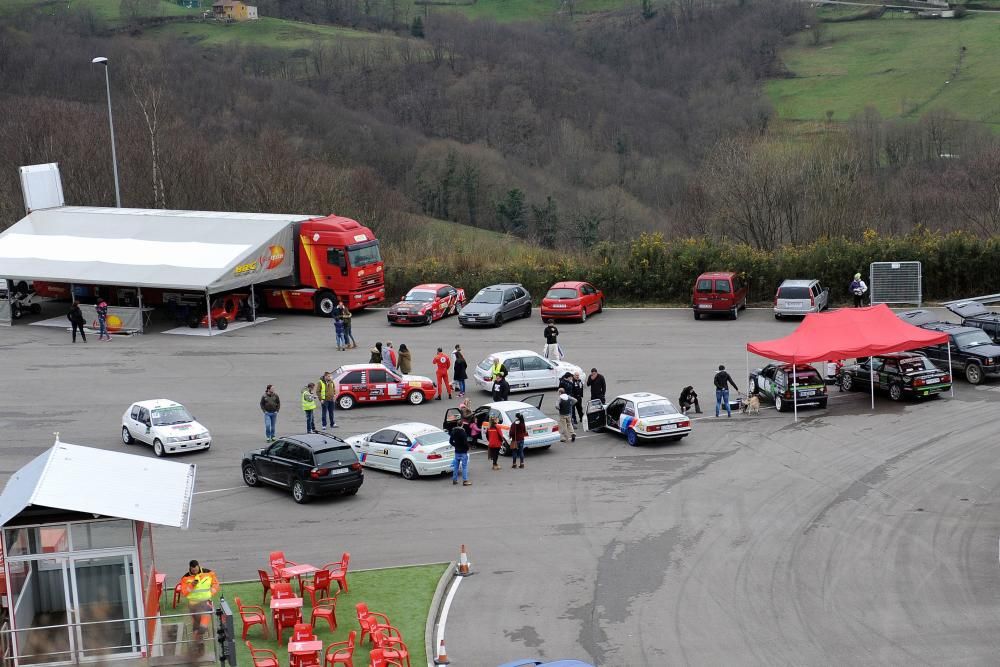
[(201, 251), (74, 478)]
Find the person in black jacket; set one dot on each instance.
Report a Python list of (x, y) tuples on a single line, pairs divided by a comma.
[(460, 372), (722, 380), (577, 393), (689, 399), (598, 385), (459, 439), (76, 319), (501, 389)]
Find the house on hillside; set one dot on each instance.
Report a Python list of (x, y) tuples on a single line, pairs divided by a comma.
[(234, 10)]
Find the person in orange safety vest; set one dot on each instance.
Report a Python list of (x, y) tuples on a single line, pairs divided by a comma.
[(199, 586)]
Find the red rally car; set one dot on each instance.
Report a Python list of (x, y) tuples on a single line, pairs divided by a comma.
[(572, 299), (425, 303), (374, 383)]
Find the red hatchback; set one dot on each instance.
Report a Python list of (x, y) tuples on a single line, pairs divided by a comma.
[(719, 292), (572, 299)]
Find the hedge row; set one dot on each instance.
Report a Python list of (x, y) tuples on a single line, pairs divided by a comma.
[(652, 269)]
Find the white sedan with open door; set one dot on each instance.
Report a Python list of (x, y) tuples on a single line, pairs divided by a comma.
[(412, 449), (543, 431), (639, 416)]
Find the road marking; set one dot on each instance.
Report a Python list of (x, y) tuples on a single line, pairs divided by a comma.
[(232, 488), (444, 613)]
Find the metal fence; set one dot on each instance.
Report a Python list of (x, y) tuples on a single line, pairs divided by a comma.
[(895, 283)]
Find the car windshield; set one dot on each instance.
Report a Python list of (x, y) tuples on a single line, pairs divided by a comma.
[(336, 456), (488, 296), (421, 296), (805, 375), (561, 293), (176, 414), (972, 339), (364, 254), (915, 364), (656, 409), (794, 293), (531, 414), (485, 364), (435, 438)]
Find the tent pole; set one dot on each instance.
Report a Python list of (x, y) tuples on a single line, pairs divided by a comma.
[(748, 374), (950, 374), (208, 311), (142, 324), (795, 391), (871, 378), (253, 306)]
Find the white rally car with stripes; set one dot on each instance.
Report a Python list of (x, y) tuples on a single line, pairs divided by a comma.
[(639, 416), (411, 449)]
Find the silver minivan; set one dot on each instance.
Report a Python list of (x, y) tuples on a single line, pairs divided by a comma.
[(796, 298)]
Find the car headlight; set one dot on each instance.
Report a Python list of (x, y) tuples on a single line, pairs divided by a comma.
[(174, 439), (203, 434)]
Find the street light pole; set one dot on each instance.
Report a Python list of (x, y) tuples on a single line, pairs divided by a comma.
[(111, 122)]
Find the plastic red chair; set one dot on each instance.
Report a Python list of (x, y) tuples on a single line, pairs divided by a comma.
[(266, 581), (286, 619), (378, 658), (303, 632), (263, 657), (177, 594), (281, 590), (338, 571), (251, 615), (335, 656), (325, 608), (370, 620), (319, 584), (390, 640), (278, 561)]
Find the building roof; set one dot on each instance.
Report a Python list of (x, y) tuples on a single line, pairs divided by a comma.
[(104, 483), (192, 250)]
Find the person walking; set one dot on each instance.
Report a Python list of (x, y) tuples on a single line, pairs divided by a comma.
[(309, 406), (689, 399), (327, 393), (442, 363), (338, 328), (494, 440), (460, 371), (270, 404), (198, 587), (598, 385), (76, 320), (551, 334), (389, 356), (565, 416), (577, 393), (459, 439), (858, 289), (102, 320), (345, 315), (501, 388), (722, 380), (376, 354), (518, 434), (405, 360)]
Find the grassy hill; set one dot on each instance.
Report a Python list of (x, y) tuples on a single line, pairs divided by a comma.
[(273, 33), (530, 10), (901, 65), (109, 10)]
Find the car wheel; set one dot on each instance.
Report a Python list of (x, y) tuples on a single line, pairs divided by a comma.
[(221, 324), (583, 315), (158, 447), (779, 404), (504, 449), (777, 316), (345, 402), (527, 311), (408, 470), (895, 392), (35, 308), (126, 436), (847, 382), (822, 404), (15, 311), (250, 475), (498, 320), (325, 304), (631, 437), (415, 397), (973, 373), (430, 319), (299, 494), (697, 315), (735, 314), (352, 492), (600, 306)]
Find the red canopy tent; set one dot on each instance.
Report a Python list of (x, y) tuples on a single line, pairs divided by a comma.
[(846, 334)]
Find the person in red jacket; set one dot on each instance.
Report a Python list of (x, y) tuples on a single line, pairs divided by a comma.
[(494, 440), (443, 363)]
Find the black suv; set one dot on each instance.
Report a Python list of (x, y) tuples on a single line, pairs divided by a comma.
[(310, 465), (975, 314), (972, 351)]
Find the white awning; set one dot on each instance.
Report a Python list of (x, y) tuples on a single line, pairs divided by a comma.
[(193, 250), (96, 481)]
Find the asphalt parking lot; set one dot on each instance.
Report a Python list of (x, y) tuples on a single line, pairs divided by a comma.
[(850, 537)]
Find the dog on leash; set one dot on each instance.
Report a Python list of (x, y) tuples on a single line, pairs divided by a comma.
[(752, 405)]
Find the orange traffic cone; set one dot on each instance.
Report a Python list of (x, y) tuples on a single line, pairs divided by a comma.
[(442, 655), (464, 569)]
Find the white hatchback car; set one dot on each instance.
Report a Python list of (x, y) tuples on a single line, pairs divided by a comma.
[(543, 431), (526, 371), (639, 416), (165, 425), (412, 449)]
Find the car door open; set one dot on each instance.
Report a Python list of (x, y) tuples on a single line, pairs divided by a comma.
[(452, 418), (534, 400), (596, 415)]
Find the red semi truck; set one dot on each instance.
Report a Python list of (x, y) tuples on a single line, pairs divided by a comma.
[(335, 258)]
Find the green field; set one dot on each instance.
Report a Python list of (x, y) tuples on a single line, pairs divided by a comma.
[(530, 10), (110, 10), (274, 33), (902, 66)]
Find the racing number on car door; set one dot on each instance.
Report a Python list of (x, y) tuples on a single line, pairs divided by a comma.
[(379, 451)]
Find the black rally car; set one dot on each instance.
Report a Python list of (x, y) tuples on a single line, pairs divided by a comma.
[(900, 374)]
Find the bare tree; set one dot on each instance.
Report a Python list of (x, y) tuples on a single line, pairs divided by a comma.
[(148, 88)]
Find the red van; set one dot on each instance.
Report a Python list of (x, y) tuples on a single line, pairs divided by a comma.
[(718, 292)]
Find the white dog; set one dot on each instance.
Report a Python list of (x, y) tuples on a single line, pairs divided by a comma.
[(752, 405)]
